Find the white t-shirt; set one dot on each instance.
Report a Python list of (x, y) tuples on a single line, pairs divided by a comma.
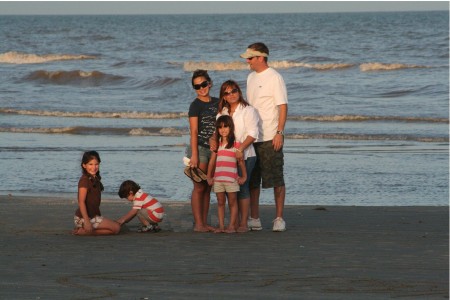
[(265, 91), (246, 121)]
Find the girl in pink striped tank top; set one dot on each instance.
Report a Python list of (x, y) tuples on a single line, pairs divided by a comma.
[(223, 173)]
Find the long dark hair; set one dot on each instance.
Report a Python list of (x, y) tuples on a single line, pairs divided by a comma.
[(225, 121), (233, 85), (87, 157), (201, 73)]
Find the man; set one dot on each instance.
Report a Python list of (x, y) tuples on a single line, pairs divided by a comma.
[(266, 92)]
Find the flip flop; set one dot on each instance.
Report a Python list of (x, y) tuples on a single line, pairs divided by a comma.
[(192, 175), (200, 173)]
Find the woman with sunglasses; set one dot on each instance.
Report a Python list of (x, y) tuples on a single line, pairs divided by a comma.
[(202, 119), (245, 120)]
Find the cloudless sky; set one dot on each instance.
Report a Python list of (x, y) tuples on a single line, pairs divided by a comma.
[(210, 7)]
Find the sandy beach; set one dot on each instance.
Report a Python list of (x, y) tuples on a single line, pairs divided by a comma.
[(328, 252)]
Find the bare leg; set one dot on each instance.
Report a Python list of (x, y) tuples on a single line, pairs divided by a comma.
[(243, 208), (206, 199), (106, 227), (279, 194), (233, 207), (221, 199), (197, 202), (254, 202)]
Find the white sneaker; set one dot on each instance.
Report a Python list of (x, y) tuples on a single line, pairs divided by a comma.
[(279, 224), (254, 224)]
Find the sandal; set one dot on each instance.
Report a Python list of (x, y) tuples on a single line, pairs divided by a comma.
[(192, 175), (200, 174)]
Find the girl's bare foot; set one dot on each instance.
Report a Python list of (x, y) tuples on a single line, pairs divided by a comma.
[(219, 230), (230, 230), (210, 228), (80, 231), (201, 229)]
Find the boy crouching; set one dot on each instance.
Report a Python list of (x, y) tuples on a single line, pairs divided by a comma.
[(149, 210)]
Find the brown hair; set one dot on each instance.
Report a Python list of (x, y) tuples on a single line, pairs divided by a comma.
[(230, 84), (225, 121)]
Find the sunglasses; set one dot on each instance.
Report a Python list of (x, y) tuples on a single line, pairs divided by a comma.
[(233, 91), (201, 85)]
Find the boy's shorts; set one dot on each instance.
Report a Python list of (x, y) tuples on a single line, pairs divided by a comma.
[(95, 221), (268, 167), (155, 219), (228, 187), (204, 154), (244, 192)]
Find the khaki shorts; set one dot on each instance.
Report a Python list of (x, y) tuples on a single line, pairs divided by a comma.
[(229, 187), (268, 167), (95, 221)]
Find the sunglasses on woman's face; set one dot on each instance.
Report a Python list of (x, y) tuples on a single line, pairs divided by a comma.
[(233, 91), (201, 85)]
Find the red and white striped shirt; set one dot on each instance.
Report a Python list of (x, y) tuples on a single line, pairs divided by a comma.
[(226, 164), (154, 209)]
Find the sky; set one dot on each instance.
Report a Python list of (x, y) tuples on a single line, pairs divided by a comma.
[(210, 7)]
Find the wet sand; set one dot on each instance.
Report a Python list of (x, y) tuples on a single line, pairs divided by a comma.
[(328, 252)]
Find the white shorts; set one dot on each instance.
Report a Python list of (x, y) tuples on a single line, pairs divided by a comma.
[(95, 221), (229, 187)]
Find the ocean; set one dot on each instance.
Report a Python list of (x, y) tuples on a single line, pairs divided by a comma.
[(368, 94)]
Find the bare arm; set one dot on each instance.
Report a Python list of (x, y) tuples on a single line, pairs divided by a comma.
[(128, 217), (193, 124), (278, 139), (82, 193), (211, 167), (243, 178)]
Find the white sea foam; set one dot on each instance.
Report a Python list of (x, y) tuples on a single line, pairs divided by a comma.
[(13, 57), (105, 115), (240, 65), (376, 66)]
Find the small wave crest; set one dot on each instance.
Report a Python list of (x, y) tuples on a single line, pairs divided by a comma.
[(362, 118), (376, 66), (190, 66), (13, 57), (238, 65), (368, 137), (90, 78), (100, 115), (80, 130)]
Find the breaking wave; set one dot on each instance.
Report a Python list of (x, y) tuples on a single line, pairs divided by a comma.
[(179, 115), (80, 130), (78, 77), (25, 58), (362, 118), (239, 65), (386, 67), (369, 137), (190, 66), (100, 115), (176, 131)]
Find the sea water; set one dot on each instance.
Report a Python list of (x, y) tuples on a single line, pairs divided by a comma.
[(368, 101)]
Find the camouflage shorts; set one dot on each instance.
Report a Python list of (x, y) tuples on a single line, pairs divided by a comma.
[(268, 167)]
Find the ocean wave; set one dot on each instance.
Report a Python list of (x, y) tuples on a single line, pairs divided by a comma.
[(362, 118), (368, 137), (173, 131), (89, 78), (376, 66), (179, 115), (13, 57), (80, 130), (239, 65), (100, 115)]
